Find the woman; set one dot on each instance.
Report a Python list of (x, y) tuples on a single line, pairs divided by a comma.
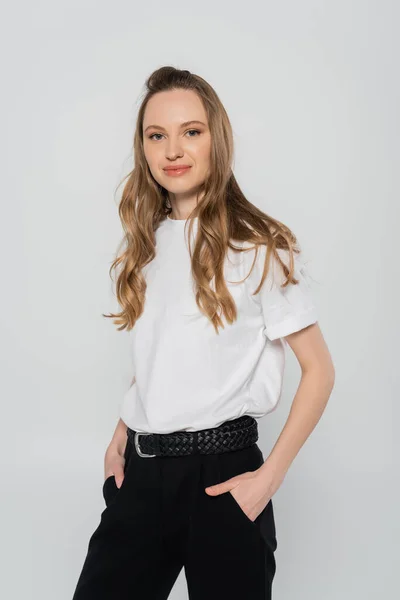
[(211, 288)]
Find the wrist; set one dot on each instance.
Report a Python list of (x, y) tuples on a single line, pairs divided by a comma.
[(272, 465)]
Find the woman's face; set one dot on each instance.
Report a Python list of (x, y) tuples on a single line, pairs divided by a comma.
[(175, 132)]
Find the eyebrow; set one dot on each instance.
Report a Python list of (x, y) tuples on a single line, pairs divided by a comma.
[(185, 124)]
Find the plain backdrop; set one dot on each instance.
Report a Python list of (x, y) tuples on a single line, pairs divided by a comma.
[(312, 91)]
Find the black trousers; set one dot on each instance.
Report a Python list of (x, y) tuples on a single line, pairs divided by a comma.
[(161, 519)]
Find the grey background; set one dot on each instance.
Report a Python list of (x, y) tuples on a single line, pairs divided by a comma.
[(312, 90)]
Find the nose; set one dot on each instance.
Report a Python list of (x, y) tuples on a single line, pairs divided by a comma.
[(173, 149)]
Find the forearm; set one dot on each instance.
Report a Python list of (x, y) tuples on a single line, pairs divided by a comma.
[(308, 405), (119, 439)]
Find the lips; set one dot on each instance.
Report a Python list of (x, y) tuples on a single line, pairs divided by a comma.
[(177, 168)]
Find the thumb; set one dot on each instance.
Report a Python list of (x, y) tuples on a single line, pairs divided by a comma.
[(220, 488)]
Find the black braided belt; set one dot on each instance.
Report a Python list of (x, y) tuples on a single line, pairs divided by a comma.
[(231, 435)]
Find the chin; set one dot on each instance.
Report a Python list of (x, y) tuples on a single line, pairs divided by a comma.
[(178, 186)]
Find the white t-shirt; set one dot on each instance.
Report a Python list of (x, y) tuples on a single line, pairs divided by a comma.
[(187, 377)]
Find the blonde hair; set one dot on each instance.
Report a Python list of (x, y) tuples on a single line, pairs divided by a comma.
[(224, 214)]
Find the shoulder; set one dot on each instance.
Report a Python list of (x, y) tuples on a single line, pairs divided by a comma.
[(256, 256)]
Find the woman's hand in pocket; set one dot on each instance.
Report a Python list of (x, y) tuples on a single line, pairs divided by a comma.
[(252, 490), (248, 491), (114, 464)]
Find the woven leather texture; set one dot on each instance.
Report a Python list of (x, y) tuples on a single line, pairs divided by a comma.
[(232, 435)]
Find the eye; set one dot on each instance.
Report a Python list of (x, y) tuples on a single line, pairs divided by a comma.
[(152, 135), (195, 131)]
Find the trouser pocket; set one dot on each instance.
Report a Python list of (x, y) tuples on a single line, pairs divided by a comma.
[(110, 489), (234, 463)]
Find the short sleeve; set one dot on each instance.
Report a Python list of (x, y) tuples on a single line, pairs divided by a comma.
[(288, 309)]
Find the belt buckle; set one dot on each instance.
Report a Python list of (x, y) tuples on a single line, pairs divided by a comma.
[(138, 450)]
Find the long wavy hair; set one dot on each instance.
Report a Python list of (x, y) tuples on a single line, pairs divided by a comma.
[(224, 215)]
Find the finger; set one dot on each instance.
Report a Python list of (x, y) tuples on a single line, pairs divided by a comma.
[(221, 488)]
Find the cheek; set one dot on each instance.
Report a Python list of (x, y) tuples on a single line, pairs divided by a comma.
[(203, 159), (150, 156), (153, 162), (154, 172)]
